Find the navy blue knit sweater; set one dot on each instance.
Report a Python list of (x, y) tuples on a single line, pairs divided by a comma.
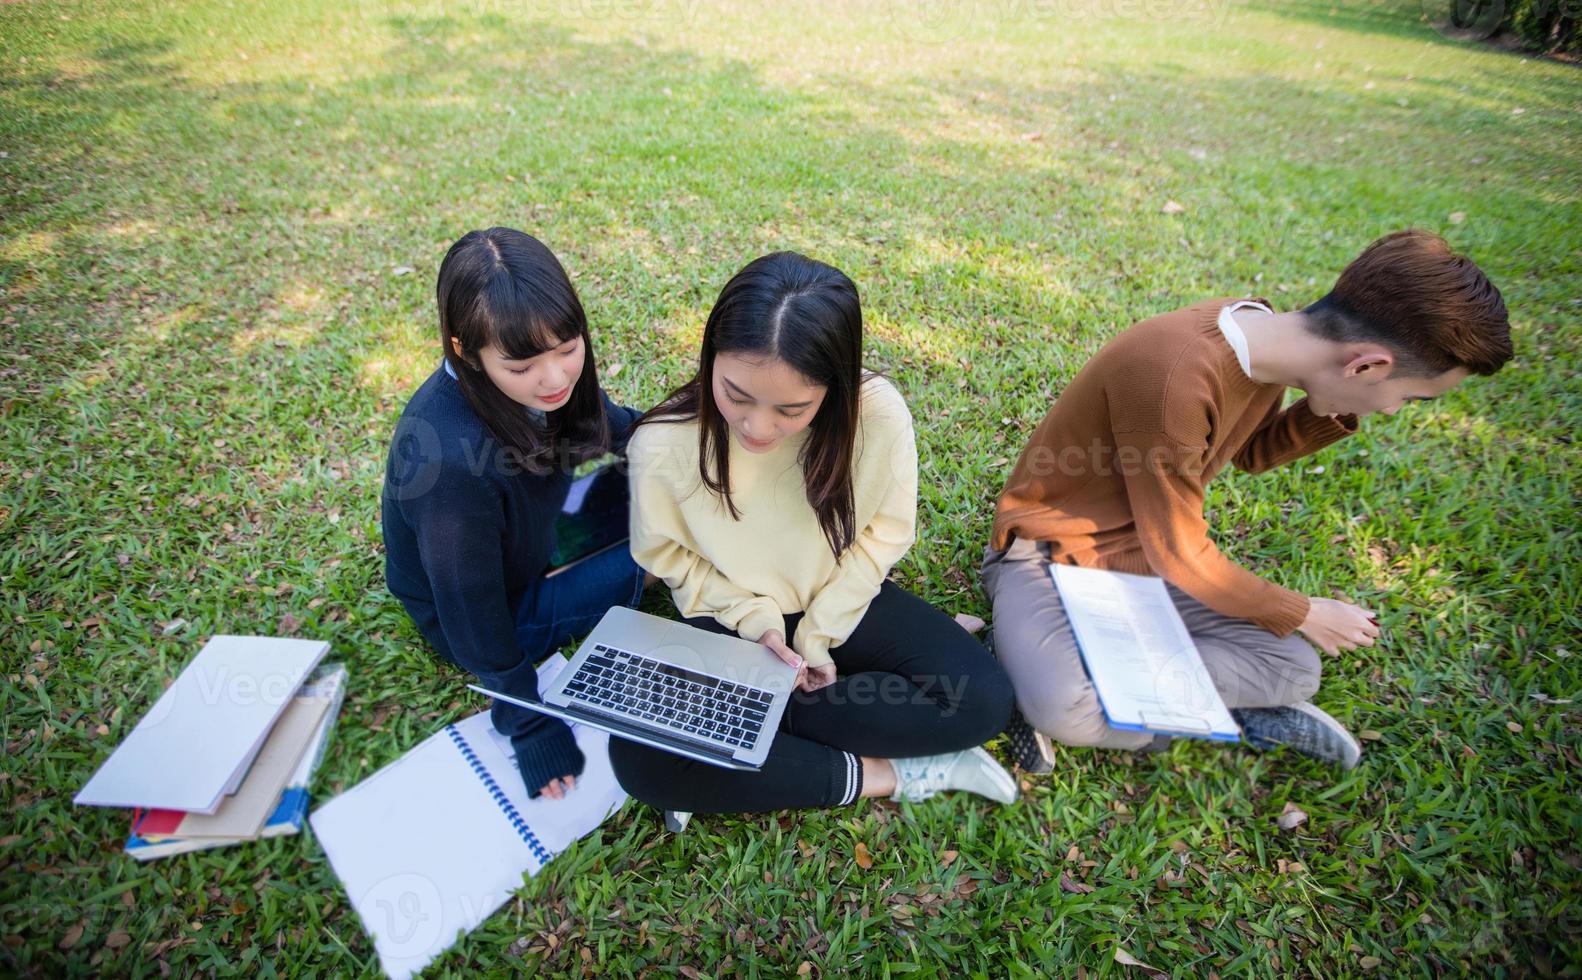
[(465, 534)]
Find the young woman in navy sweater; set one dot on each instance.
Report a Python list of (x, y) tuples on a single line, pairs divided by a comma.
[(480, 465)]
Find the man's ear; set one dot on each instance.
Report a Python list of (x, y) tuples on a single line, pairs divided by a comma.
[(1370, 362)]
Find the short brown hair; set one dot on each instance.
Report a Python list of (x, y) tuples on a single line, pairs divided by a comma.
[(1410, 292)]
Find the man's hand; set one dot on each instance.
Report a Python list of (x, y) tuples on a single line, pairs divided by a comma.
[(556, 789), (1334, 626)]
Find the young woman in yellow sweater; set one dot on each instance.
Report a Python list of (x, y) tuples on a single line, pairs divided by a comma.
[(773, 492)]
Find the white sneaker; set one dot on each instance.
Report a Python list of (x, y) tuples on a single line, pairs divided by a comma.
[(973, 770)]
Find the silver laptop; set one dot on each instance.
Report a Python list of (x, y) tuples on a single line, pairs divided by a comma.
[(714, 698)]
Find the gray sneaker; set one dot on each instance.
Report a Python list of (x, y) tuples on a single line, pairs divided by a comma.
[(973, 770), (1301, 727), (1030, 747)]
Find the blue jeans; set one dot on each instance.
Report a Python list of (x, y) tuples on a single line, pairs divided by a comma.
[(560, 609)]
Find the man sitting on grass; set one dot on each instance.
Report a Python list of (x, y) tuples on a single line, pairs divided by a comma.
[(1114, 478)]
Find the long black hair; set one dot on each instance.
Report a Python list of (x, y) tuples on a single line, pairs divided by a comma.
[(797, 310), (505, 288)]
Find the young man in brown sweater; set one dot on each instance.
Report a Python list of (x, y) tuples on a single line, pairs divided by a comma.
[(1114, 478)]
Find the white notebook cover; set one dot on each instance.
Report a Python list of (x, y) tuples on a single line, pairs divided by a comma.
[(1148, 673), (431, 845), (196, 742)]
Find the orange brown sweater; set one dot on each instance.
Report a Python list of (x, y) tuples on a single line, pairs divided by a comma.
[(1114, 476)]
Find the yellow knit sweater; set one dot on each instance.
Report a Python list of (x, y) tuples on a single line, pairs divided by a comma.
[(749, 574)]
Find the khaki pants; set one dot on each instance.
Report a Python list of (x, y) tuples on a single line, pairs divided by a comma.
[(1252, 667)]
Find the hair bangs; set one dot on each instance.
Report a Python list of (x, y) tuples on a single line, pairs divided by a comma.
[(524, 322)]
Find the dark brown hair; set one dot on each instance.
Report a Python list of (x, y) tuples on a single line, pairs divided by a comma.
[(505, 288), (807, 314), (1408, 291)]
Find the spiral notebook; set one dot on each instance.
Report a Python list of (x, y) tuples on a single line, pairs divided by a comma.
[(431, 845)]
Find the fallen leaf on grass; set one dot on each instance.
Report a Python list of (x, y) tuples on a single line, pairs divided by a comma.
[(804, 968), (1369, 735), (1514, 726), (862, 857), (72, 935), (1069, 884), (402, 270), (969, 622), (1172, 207), (1457, 217), (947, 858), (174, 626), (1126, 959), (1291, 817)]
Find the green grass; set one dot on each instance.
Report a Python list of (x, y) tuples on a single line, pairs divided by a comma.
[(206, 347)]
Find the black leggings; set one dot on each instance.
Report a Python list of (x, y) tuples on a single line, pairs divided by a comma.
[(910, 682)]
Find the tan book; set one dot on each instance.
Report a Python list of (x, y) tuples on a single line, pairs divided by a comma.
[(241, 815)]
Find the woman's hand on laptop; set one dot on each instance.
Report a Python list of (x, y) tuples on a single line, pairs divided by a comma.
[(776, 642), (807, 678), (818, 677), (556, 789)]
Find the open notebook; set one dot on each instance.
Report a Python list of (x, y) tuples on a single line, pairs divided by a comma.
[(432, 844)]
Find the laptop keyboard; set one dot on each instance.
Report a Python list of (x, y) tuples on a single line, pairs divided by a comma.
[(697, 705)]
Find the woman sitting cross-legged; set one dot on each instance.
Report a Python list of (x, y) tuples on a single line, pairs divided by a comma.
[(481, 463), (773, 493)]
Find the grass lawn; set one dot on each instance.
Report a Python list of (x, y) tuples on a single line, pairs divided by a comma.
[(219, 230)]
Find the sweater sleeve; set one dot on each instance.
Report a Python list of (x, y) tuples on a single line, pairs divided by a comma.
[(1164, 488), (458, 529), (661, 544), (887, 466), (1288, 434), (620, 418)]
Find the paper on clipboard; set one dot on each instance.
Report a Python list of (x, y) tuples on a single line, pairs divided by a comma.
[(1148, 674)]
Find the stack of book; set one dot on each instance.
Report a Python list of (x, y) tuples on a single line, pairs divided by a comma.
[(228, 751)]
